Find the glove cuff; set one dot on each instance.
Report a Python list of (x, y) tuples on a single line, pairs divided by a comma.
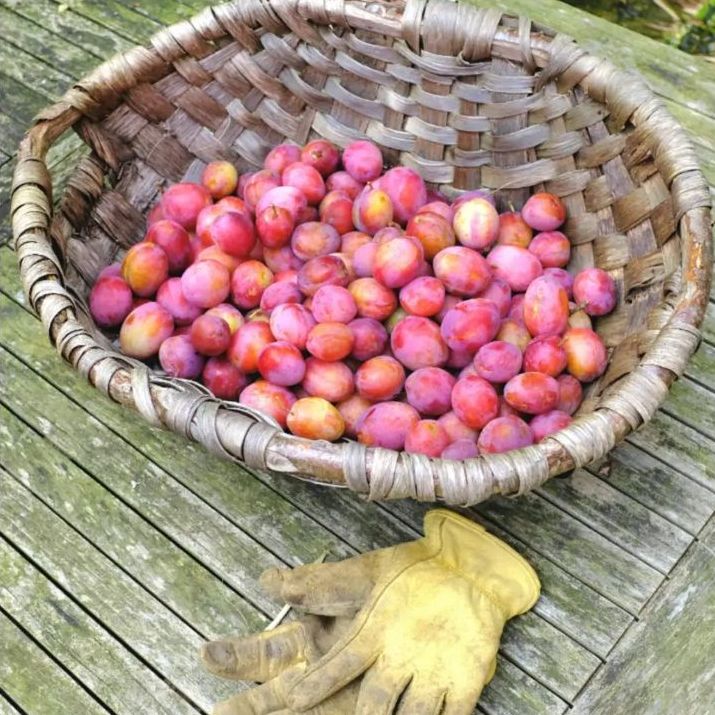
[(495, 568)]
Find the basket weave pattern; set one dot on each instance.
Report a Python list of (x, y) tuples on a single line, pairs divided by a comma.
[(469, 98)]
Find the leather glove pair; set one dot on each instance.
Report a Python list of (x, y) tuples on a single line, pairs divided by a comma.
[(412, 629)]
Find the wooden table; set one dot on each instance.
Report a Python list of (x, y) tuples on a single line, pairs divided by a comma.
[(123, 547)]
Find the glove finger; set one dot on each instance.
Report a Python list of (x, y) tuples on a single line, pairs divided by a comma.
[(328, 675), (421, 700), (259, 657), (262, 700), (327, 589), (379, 691)]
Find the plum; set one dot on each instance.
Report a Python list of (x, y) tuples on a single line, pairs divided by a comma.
[(145, 268), (223, 378), (292, 323), (549, 422), (386, 424), (333, 304), (434, 232), (179, 358), (342, 181), (306, 179), (182, 203), (544, 212), (570, 394), (463, 271), (336, 210), (270, 399), (257, 186), (351, 411), (470, 324), (503, 434), (174, 240), (474, 401), (322, 155), (210, 335), (546, 308), (313, 239), (380, 378), (370, 338), (110, 301), (247, 343), (586, 354), (595, 290), (206, 283), (330, 341), (545, 355), (280, 157), (423, 296), (144, 330), (363, 160), (315, 418), (416, 342), (406, 189), (455, 428), (514, 265), (460, 450), (429, 391), (372, 210), (532, 393), (513, 230), (476, 224), (248, 282), (322, 271), (274, 226), (397, 262), (552, 249), (220, 178), (281, 363), (373, 299), (426, 437), (333, 381), (498, 361)]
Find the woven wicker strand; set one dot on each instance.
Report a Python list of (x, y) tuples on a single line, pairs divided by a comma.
[(467, 97)]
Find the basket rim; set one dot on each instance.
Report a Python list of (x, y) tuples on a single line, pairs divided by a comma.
[(241, 434)]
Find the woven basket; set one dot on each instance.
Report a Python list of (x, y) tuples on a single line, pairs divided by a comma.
[(469, 98)]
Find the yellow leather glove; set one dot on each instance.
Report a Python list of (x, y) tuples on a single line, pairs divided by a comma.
[(427, 632)]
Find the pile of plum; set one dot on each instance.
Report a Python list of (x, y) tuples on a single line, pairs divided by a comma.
[(341, 300)]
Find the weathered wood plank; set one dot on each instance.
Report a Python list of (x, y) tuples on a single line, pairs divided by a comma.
[(701, 367), (685, 78), (121, 19), (46, 46), (70, 631), (512, 692), (34, 681), (659, 487), (693, 405), (19, 101), (134, 545), (71, 26), (618, 575), (50, 82), (162, 13), (708, 326), (7, 708), (619, 518), (170, 508), (682, 447), (664, 664)]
